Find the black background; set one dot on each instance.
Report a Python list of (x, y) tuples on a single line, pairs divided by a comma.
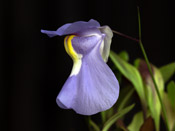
[(34, 67)]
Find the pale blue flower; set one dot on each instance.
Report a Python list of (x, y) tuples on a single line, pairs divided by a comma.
[(91, 87)]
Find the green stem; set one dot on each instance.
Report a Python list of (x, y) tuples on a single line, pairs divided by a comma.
[(151, 73), (93, 124), (103, 116)]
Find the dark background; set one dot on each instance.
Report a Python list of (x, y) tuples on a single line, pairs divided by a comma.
[(34, 67)]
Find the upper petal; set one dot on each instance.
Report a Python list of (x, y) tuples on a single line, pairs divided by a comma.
[(72, 28), (85, 44)]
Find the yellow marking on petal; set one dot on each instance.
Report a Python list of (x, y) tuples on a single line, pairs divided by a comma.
[(72, 53), (69, 48), (65, 44)]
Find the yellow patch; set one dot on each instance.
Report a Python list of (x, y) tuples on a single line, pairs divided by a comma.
[(69, 48), (65, 44), (72, 53)]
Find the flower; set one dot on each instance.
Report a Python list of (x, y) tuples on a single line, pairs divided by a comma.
[(91, 87)]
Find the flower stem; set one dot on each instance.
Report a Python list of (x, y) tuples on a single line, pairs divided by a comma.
[(151, 73), (93, 124), (126, 36)]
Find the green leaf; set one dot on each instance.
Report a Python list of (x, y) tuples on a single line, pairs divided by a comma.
[(153, 100), (167, 71), (136, 122), (124, 55), (103, 116), (171, 93), (107, 114), (151, 95), (137, 62), (123, 92), (116, 116), (170, 111), (130, 72), (126, 99)]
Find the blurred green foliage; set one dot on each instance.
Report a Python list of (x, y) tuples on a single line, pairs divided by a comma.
[(137, 78)]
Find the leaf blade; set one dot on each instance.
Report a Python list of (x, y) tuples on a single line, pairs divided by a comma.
[(167, 71), (130, 72), (115, 117), (136, 122), (171, 92)]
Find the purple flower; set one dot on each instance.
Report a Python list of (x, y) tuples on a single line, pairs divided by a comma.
[(91, 87)]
